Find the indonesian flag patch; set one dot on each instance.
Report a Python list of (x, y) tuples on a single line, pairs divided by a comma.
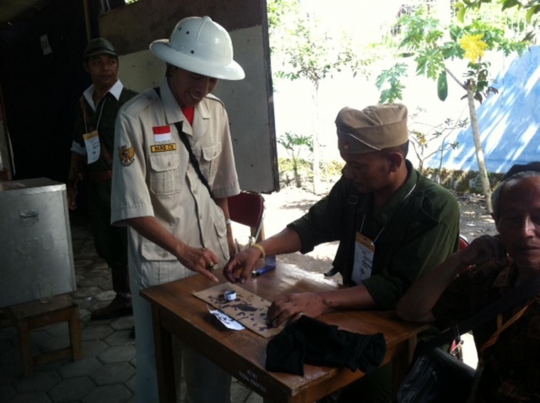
[(162, 133)]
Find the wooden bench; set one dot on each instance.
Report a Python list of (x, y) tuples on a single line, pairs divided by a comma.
[(32, 315)]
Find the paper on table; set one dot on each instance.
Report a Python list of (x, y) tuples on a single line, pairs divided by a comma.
[(248, 309), (229, 322)]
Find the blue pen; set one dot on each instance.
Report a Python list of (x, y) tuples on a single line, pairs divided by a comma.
[(270, 265)]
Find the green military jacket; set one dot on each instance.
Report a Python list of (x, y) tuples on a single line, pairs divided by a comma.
[(108, 107), (414, 232)]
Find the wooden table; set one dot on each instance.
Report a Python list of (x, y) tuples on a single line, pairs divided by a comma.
[(243, 353)]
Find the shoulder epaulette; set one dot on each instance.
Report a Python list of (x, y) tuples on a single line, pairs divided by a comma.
[(214, 98), (140, 102)]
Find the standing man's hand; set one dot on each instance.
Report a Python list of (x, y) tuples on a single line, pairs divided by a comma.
[(230, 242), (200, 260), (240, 266), (76, 168), (291, 307), (72, 196)]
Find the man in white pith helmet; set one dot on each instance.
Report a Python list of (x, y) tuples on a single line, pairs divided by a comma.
[(173, 172)]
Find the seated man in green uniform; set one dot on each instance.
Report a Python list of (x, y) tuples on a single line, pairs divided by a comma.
[(93, 145), (393, 225)]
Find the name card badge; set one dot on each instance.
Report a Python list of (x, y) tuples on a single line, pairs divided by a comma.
[(93, 147), (364, 251), (162, 133)]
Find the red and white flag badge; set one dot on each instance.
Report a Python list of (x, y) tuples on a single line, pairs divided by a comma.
[(162, 133)]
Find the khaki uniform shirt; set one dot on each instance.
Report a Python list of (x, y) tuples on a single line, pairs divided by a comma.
[(155, 178)]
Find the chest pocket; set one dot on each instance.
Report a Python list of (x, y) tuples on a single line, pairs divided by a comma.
[(209, 161), (163, 174)]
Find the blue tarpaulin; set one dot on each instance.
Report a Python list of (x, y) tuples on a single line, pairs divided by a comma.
[(509, 121)]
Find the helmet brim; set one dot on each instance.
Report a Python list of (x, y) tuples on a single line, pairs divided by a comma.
[(162, 50)]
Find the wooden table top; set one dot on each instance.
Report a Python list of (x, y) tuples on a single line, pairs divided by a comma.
[(243, 352)]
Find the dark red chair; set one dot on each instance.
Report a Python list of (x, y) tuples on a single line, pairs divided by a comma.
[(463, 242), (247, 208)]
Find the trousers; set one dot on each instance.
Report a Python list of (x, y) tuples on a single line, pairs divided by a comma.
[(205, 382)]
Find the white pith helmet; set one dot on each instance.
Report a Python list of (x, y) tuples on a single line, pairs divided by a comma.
[(200, 45)]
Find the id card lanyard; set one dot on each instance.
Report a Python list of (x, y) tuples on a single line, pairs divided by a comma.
[(364, 251), (91, 139)]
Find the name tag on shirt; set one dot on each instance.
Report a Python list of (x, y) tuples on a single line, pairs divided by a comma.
[(162, 148), (93, 147), (364, 251), (162, 133)]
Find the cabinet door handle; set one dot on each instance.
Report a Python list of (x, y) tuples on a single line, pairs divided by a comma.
[(29, 213)]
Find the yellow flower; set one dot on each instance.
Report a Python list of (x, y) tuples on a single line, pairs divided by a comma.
[(473, 46)]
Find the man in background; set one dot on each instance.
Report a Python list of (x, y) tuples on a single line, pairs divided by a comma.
[(93, 145)]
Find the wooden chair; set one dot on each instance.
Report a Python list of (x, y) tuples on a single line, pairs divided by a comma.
[(247, 208), (31, 315)]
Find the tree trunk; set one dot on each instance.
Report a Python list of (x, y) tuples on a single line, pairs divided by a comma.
[(316, 155), (486, 188)]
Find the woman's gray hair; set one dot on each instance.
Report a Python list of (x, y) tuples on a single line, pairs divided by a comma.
[(496, 195)]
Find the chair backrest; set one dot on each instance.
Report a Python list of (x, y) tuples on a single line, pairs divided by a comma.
[(463, 242), (247, 208)]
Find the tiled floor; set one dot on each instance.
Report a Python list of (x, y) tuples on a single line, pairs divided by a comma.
[(106, 373)]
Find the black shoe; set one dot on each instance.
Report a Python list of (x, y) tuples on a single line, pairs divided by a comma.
[(119, 306)]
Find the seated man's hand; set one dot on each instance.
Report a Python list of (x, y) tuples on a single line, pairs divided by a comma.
[(482, 250), (291, 307), (239, 267)]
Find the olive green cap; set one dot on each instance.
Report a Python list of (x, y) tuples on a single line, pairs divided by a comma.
[(99, 46)]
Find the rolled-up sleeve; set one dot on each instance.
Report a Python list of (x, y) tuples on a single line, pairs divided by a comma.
[(324, 222), (225, 183)]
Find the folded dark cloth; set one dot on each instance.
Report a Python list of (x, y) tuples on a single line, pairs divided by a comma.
[(310, 341)]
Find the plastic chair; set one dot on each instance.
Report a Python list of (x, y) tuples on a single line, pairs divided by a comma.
[(247, 208)]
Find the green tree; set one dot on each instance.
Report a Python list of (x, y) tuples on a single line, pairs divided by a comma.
[(295, 145), (432, 45), (308, 51), (531, 7)]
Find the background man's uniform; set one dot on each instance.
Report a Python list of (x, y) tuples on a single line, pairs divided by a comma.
[(110, 241), (153, 177)]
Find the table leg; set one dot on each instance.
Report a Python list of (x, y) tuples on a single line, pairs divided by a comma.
[(164, 359), (402, 362)]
